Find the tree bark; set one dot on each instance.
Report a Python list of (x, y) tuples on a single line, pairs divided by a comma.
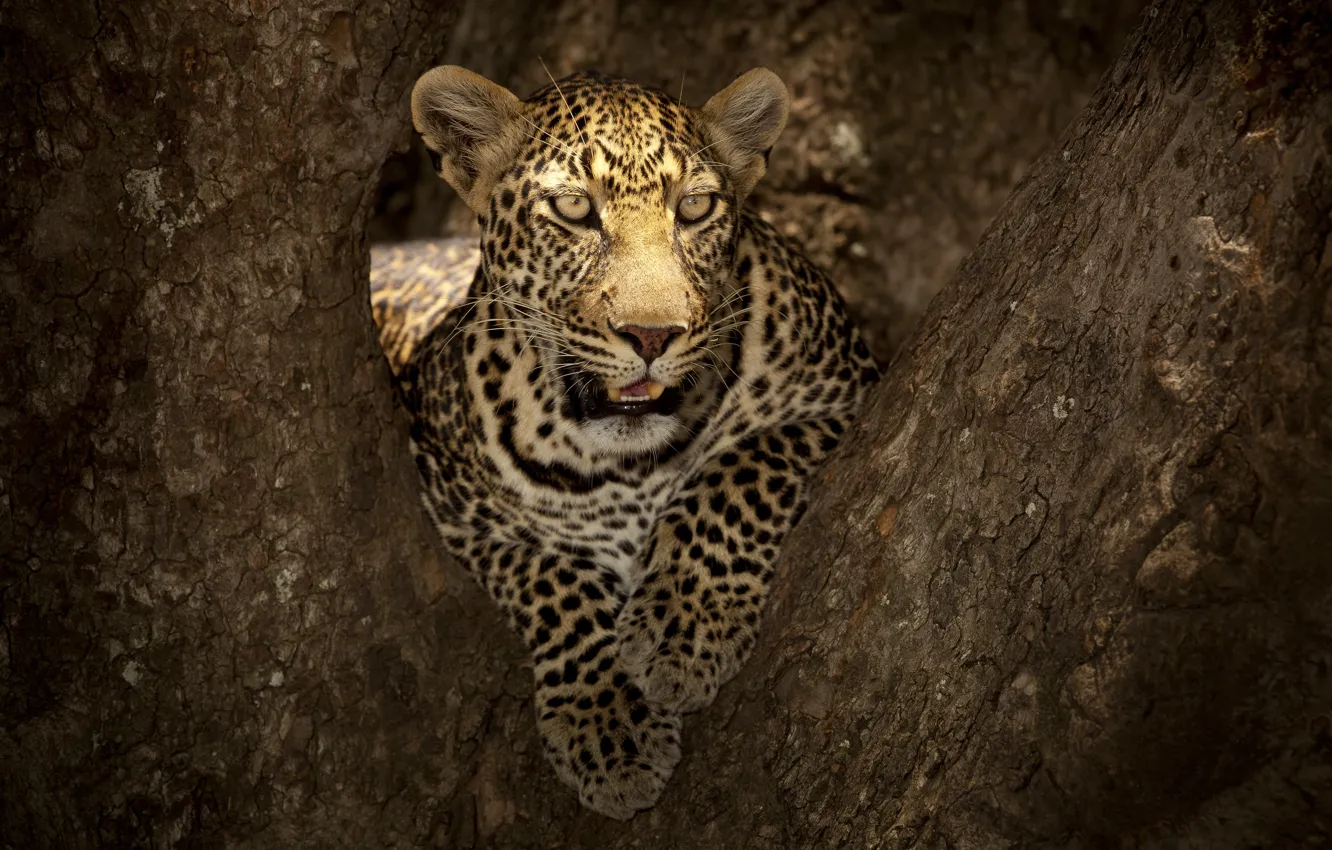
[(215, 582), (1065, 586)]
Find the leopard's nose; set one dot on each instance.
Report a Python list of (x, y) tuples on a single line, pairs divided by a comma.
[(649, 343)]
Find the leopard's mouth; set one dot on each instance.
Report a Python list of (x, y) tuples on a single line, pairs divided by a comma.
[(588, 397)]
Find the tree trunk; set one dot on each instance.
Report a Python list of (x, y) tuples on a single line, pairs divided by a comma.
[(1066, 585), (215, 601)]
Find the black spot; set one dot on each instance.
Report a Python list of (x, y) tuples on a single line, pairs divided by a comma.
[(745, 565)]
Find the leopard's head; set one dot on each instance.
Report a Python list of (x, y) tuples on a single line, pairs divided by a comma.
[(609, 214)]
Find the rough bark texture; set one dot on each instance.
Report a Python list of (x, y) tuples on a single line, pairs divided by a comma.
[(910, 123), (213, 586), (1067, 586)]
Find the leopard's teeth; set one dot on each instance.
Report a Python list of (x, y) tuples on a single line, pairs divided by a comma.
[(617, 394)]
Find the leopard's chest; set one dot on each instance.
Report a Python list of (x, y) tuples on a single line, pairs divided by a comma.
[(611, 523)]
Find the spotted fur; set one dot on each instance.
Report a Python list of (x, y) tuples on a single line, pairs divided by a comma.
[(631, 552), (415, 285)]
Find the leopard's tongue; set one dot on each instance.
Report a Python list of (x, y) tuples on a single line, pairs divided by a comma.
[(641, 391)]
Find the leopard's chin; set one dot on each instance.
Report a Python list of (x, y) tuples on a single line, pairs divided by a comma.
[(631, 436)]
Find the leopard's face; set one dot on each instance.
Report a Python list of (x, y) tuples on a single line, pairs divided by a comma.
[(609, 214), (611, 238)]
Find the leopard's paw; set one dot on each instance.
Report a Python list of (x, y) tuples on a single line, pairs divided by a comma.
[(610, 745), (679, 654)]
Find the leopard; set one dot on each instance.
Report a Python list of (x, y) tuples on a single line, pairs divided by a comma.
[(618, 395)]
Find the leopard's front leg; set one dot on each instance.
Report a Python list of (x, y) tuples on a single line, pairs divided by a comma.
[(693, 621), (601, 736)]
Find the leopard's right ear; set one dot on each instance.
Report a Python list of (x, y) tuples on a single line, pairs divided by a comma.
[(471, 126)]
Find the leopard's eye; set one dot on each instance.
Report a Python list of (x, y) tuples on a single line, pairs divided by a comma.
[(694, 208), (573, 208)]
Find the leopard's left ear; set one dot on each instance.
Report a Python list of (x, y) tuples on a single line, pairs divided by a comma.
[(745, 119)]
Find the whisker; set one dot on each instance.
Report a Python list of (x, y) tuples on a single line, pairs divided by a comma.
[(583, 130), (717, 357), (735, 296), (554, 144), (700, 150)]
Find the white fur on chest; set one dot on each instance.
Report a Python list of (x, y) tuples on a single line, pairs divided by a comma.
[(614, 520)]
